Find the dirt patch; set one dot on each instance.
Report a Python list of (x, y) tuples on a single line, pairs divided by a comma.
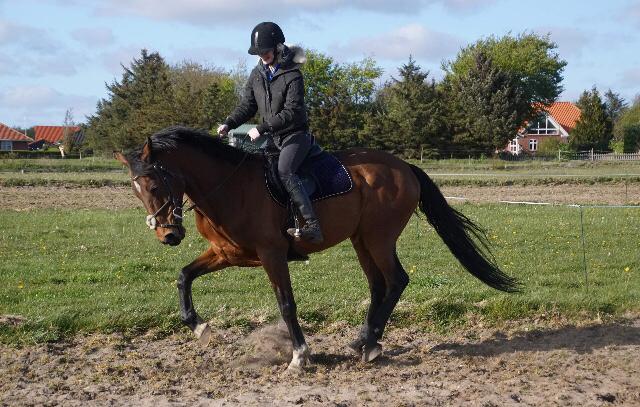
[(604, 194), (594, 364), (29, 198)]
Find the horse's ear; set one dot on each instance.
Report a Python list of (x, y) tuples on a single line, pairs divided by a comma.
[(120, 157), (146, 151)]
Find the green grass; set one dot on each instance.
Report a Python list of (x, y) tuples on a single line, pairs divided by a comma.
[(104, 271), (71, 179), (59, 165)]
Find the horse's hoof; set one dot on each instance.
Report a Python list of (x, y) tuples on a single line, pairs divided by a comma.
[(203, 333), (300, 360), (370, 352)]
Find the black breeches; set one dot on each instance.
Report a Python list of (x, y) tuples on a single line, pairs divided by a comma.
[(293, 151)]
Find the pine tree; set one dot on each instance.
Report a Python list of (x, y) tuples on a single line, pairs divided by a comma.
[(413, 121), (614, 104), (139, 105), (486, 107), (594, 129)]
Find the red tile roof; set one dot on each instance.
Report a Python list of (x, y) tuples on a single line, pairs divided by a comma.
[(53, 134), (7, 133), (565, 113)]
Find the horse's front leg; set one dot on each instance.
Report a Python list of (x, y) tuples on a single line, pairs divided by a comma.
[(205, 263), (275, 264)]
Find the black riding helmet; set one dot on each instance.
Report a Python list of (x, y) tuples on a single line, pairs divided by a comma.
[(264, 37)]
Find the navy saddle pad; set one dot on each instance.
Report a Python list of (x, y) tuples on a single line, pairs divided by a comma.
[(322, 175)]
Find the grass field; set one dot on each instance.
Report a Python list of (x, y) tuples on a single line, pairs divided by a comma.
[(103, 271), (97, 172)]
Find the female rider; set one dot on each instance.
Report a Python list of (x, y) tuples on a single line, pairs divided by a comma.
[(275, 90)]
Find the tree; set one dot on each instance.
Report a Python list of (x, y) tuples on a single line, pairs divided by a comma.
[(629, 117), (487, 106), (614, 105), (413, 119), (530, 59), (137, 106), (338, 98), (152, 95), (594, 128), (69, 139)]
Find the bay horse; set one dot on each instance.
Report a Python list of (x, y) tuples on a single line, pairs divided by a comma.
[(246, 228)]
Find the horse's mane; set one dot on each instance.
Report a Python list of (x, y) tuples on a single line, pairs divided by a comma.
[(173, 137)]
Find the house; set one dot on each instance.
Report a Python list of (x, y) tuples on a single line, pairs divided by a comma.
[(54, 135), (13, 140), (554, 121)]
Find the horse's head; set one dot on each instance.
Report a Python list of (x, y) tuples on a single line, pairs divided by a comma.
[(160, 189)]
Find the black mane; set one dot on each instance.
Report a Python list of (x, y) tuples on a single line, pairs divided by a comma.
[(172, 137)]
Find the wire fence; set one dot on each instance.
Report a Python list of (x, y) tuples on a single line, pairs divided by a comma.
[(580, 207)]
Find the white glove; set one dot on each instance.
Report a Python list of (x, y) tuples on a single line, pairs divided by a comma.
[(254, 133), (223, 130)]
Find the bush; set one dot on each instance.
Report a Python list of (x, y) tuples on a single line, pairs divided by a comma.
[(631, 138), (549, 147)]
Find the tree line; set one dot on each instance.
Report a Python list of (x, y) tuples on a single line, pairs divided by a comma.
[(488, 91)]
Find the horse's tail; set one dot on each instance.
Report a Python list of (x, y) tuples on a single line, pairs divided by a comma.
[(457, 231)]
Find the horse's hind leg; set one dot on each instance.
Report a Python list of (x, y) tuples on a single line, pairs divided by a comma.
[(377, 288), (205, 263), (396, 279)]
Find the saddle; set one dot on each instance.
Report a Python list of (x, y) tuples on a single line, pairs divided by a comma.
[(322, 174)]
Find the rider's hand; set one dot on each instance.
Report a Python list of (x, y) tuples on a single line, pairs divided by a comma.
[(223, 130), (254, 133)]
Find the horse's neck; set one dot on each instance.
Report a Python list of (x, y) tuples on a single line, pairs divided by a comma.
[(217, 187)]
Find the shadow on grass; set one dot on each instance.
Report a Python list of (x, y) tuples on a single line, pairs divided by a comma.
[(578, 339)]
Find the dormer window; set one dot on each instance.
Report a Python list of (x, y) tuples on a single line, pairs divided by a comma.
[(542, 125)]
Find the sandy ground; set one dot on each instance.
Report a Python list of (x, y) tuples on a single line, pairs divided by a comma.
[(27, 198), (528, 364)]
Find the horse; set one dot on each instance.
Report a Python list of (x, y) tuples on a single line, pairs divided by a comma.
[(235, 213)]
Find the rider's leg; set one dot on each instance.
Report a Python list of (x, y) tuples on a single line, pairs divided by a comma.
[(294, 149)]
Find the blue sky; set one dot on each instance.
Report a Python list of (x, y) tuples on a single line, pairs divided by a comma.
[(58, 54)]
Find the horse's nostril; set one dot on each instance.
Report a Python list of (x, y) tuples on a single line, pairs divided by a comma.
[(171, 239)]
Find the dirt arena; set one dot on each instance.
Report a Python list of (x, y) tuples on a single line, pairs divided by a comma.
[(533, 363), (542, 362)]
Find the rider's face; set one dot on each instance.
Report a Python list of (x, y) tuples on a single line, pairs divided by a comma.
[(267, 57)]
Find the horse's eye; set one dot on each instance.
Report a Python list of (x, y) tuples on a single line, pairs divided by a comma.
[(153, 188)]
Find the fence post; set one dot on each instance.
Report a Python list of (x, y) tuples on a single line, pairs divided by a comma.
[(592, 154)]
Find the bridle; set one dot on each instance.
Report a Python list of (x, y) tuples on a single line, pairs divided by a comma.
[(152, 220)]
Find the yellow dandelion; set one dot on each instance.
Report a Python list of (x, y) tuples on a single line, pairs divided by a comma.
[(627, 269)]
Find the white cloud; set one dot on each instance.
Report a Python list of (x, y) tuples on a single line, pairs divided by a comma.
[(38, 104), (412, 39), (214, 13), (94, 36), (26, 38), (571, 41), (631, 78), (632, 13)]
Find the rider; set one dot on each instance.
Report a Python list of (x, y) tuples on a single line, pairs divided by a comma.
[(275, 90)]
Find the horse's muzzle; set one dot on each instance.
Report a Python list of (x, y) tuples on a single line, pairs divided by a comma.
[(172, 239)]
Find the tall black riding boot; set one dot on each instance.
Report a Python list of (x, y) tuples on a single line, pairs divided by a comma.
[(310, 231)]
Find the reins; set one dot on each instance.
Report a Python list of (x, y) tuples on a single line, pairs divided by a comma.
[(220, 185)]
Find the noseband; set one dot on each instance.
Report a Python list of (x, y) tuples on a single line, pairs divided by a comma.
[(152, 220)]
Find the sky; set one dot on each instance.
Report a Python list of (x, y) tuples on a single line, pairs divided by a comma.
[(57, 55)]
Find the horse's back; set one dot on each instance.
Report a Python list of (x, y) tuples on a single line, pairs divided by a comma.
[(383, 172)]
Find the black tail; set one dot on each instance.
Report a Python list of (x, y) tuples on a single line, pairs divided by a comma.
[(457, 232)]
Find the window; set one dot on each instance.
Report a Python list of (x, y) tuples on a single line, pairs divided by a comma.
[(6, 145), (533, 144), (542, 125), (513, 146)]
